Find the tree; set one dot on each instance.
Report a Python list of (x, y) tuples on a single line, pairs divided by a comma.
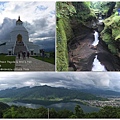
[(64, 113), (52, 113), (64, 9), (1, 114), (73, 116), (108, 112), (79, 112), (91, 115), (11, 112), (43, 112)]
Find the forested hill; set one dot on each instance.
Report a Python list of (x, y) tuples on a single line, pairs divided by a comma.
[(45, 92), (100, 92), (3, 106)]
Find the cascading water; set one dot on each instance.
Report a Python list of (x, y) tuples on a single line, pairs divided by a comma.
[(97, 65), (100, 21), (96, 41)]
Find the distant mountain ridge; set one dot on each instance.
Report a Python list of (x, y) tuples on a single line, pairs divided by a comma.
[(45, 92), (100, 92)]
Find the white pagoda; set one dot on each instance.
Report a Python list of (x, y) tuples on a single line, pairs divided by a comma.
[(19, 41)]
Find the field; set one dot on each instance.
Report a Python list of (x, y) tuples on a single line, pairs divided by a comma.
[(49, 60), (7, 63)]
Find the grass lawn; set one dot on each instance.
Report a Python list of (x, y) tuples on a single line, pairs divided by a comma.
[(49, 60), (7, 63)]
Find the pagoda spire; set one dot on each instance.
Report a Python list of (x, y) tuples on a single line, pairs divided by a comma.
[(19, 22), (19, 18)]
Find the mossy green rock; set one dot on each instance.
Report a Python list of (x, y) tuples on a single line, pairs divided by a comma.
[(64, 34), (67, 12), (111, 33)]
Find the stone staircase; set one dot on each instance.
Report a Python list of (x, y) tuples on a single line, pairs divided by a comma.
[(19, 47)]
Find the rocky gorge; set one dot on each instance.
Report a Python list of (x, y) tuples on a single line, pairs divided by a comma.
[(80, 52)]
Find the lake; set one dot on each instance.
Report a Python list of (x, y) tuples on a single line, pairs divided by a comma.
[(58, 106)]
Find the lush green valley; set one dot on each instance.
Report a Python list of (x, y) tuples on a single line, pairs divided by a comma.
[(54, 102), (39, 95)]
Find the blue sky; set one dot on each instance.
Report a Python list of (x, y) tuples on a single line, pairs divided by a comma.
[(101, 80), (38, 18)]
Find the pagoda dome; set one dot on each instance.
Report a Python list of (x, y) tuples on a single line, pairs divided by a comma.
[(19, 26)]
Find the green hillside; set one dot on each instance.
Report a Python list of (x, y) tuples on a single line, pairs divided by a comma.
[(3, 106), (45, 93)]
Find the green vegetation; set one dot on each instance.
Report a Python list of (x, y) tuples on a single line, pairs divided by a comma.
[(64, 33), (111, 34), (101, 7), (64, 9), (50, 59), (46, 93), (45, 59), (6, 100), (73, 17), (67, 12), (84, 13), (105, 112), (3, 106), (23, 112), (7, 63), (42, 112)]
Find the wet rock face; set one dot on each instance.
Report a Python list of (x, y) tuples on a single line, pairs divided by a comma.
[(79, 29), (82, 53), (88, 63), (100, 27), (111, 62)]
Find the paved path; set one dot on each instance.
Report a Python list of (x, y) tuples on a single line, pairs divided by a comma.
[(32, 64)]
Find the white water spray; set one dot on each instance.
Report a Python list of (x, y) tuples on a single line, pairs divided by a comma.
[(96, 40), (100, 21), (97, 65)]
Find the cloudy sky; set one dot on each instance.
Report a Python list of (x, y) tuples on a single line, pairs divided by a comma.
[(103, 80), (38, 18)]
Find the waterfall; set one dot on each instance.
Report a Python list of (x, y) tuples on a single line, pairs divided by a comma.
[(97, 65), (96, 40), (100, 21)]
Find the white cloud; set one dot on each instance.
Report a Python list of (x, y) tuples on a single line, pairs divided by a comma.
[(38, 18), (28, 11), (77, 80)]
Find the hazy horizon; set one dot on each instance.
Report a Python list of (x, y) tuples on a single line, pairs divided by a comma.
[(84, 80)]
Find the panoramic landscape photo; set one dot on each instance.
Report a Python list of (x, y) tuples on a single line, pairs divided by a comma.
[(27, 36), (59, 95), (88, 36)]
